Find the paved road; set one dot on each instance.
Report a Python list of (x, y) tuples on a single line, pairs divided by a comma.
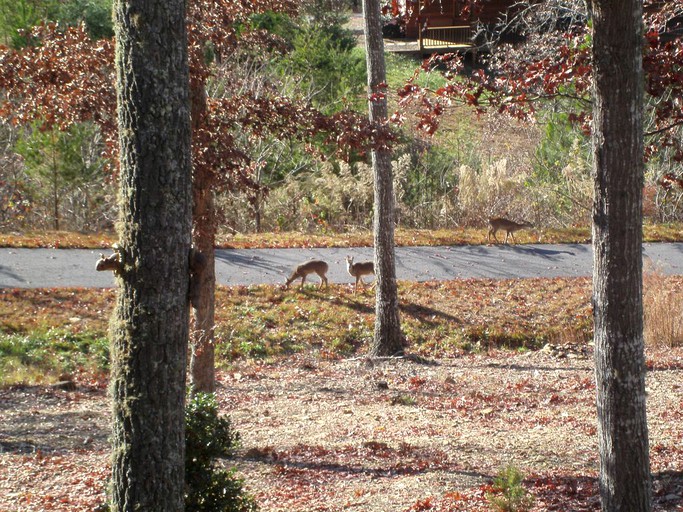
[(48, 268)]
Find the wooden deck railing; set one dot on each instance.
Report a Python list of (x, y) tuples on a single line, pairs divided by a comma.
[(445, 37)]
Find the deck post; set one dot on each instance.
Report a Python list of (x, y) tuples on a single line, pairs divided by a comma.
[(419, 26)]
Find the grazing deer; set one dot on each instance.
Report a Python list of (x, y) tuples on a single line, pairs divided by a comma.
[(509, 226), (313, 266), (358, 270)]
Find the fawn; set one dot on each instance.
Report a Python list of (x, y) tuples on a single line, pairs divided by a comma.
[(360, 269), (313, 266), (509, 226)]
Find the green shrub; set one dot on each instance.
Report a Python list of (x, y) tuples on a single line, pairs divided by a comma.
[(96, 14), (67, 174), (17, 16), (331, 71), (208, 436), (275, 23)]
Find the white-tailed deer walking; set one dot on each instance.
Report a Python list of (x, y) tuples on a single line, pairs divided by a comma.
[(509, 226), (360, 269), (310, 267)]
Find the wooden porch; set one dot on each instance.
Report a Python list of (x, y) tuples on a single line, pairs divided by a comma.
[(446, 38), (435, 40), (441, 26)]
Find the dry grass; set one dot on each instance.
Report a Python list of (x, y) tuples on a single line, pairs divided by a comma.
[(57, 240), (662, 311), (345, 435), (353, 238)]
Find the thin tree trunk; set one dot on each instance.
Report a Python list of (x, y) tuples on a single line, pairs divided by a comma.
[(55, 183), (202, 357), (151, 322), (617, 243), (388, 339)]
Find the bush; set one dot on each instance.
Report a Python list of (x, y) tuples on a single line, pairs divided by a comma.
[(66, 182), (561, 178), (331, 197), (96, 14), (208, 436)]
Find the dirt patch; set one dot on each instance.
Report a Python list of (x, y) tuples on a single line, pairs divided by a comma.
[(347, 435)]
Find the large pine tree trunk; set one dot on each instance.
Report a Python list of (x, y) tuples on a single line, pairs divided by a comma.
[(617, 244), (151, 322), (388, 339)]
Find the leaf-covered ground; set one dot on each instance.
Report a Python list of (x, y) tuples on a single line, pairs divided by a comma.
[(333, 435), (324, 430)]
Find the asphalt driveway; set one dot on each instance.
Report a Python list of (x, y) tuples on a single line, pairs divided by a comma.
[(49, 268)]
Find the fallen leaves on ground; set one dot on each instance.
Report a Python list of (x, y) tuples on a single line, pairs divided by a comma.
[(328, 435)]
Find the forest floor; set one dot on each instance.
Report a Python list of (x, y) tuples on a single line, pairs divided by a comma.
[(348, 434)]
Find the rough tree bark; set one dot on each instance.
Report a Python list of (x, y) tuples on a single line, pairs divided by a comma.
[(388, 339), (618, 168), (151, 320)]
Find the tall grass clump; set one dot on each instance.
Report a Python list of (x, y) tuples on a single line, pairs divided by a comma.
[(492, 190), (662, 313)]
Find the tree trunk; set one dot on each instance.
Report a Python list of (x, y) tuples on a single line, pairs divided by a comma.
[(55, 181), (617, 243), (151, 323), (202, 358), (388, 339)]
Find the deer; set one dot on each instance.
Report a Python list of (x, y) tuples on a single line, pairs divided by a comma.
[(310, 267), (358, 270), (509, 226)]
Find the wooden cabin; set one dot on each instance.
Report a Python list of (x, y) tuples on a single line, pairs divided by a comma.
[(447, 24)]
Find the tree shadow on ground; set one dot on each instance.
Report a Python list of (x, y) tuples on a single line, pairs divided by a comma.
[(34, 421)]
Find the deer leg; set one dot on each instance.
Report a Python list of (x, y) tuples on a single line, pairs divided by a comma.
[(323, 280)]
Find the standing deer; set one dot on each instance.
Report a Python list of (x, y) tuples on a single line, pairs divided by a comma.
[(313, 266), (358, 270), (509, 226)]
